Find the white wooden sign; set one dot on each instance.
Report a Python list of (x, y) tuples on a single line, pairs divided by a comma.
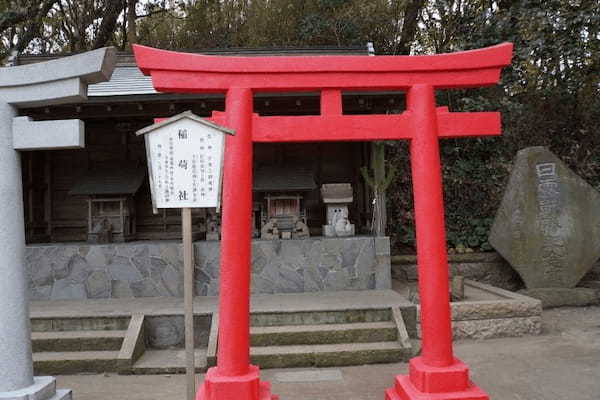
[(185, 161)]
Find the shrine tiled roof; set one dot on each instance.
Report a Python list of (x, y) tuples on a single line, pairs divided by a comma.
[(127, 79), (114, 181), (337, 193), (283, 179)]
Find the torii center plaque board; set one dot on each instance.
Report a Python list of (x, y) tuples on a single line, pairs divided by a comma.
[(185, 161)]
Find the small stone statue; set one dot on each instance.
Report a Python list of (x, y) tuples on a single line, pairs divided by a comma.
[(101, 232), (341, 224), (269, 231), (457, 288), (337, 196), (300, 230), (212, 227)]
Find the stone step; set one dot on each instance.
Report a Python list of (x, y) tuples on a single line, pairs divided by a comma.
[(170, 361), (74, 362), (328, 355), (323, 333), (62, 394), (319, 317), (77, 340), (79, 324)]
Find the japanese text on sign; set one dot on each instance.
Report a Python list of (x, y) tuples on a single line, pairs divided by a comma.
[(186, 159)]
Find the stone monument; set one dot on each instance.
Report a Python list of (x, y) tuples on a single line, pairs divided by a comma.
[(59, 81), (548, 227), (336, 197)]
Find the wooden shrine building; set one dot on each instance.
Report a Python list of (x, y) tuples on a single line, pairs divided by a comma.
[(91, 207), (56, 211)]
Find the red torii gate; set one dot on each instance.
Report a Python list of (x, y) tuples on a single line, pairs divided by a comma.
[(436, 374)]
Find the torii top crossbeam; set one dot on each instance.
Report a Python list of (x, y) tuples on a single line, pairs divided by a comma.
[(171, 70), (181, 72), (436, 371)]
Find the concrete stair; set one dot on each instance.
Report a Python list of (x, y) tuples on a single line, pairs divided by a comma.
[(325, 338), (86, 345), (171, 361), (75, 362), (331, 331), (77, 340), (328, 355), (323, 334)]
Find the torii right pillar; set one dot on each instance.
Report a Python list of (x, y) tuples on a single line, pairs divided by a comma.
[(436, 374)]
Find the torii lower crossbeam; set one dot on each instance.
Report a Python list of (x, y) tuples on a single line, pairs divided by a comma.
[(436, 374)]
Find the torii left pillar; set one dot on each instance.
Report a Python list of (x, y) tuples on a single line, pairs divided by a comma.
[(234, 377), (54, 82)]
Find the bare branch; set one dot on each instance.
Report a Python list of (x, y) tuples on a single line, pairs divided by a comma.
[(34, 27), (131, 17), (153, 12)]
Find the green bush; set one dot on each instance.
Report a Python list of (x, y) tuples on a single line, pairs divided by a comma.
[(475, 170)]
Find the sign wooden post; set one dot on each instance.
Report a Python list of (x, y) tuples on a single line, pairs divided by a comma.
[(185, 166), (188, 296)]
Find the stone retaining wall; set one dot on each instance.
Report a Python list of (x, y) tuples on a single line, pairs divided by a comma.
[(504, 314), (489, 268), (151, 269), (510, 315)]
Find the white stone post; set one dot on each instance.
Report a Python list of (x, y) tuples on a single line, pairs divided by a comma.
[(59, 81), (15, 345)]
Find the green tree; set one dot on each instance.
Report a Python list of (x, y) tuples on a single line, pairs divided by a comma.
[(390, 24), (549, 96), (21, 22)]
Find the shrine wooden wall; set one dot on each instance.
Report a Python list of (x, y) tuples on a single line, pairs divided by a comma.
[(52, 215)]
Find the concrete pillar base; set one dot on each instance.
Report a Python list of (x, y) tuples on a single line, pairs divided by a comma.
[(425, 382), (242, 387), (43, 388)]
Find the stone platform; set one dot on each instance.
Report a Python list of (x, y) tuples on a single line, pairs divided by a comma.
[(145, 335), (489, 312), (80, 271), (288, 330)]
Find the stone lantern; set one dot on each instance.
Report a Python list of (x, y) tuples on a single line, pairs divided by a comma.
[(336, 197)]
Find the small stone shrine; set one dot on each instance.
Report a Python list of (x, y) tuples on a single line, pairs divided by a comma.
[(279, 202), (111, 206), (336, 197), (547, 227)]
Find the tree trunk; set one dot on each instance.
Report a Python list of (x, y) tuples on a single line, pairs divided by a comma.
[(409, 25), (131, 17), (109, 21), (379, 213)]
